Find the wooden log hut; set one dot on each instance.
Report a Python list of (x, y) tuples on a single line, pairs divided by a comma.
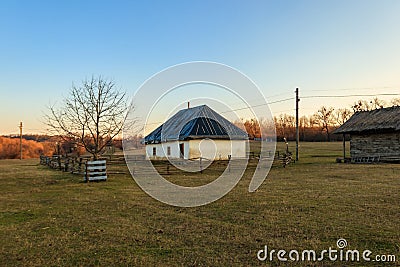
[(374, 135)]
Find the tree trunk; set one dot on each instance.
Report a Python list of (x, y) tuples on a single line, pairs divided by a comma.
[(328, 134)]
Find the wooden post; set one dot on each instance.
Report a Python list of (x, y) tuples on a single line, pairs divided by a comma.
[(20, 140), (344, 147), (59, 162), (229, 163), (66, 164), (297, 124), (86, 173), (80, 166)]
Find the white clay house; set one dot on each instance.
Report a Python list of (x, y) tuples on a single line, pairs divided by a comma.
[(196, 132)]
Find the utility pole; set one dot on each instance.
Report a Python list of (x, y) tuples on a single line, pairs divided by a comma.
[(297, 124), (20, 140)]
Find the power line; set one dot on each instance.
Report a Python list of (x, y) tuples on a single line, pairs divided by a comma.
[(358, 88), (355, 95), (304, 97), (259, 105), (267, 97), (286, 110), (243, 108), (282, 100), (314, 96), (272, 96)]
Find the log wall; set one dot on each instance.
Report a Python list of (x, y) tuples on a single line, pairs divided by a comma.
[(386, 146)]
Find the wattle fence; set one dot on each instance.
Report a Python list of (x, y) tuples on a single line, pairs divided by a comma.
[(84, 166), (116, 165)]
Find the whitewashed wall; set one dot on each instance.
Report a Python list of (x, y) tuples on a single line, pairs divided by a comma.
[(162, 149), (220, 149)]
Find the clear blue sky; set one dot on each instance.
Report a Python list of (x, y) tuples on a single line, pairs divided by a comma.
[(314, 45)]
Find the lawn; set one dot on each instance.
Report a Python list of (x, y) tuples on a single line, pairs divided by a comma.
[(51, 218)]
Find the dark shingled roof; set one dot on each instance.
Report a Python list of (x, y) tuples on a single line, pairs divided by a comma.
[(384, 119), (195, 123)]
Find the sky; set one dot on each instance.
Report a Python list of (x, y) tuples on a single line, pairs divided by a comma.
[(321, 47)]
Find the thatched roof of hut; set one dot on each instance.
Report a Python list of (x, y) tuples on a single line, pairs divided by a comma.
[(378, 120)]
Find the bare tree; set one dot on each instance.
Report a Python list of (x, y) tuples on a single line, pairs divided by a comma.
[(395, 102), (267, 128), (362, 105), (252, 128), (285, 125), (342, 115), (93, 114), (325, 119), (281, 125), (377, 103)]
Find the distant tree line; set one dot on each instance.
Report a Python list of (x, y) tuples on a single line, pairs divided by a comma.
[(10, 148), (35, 145)]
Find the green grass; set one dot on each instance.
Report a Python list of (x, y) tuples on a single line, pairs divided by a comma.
[(50, 218)]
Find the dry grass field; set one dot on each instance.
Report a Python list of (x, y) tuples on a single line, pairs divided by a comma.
[(51, 218)]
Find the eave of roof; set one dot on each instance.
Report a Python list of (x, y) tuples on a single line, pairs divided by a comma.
[(378, 120)]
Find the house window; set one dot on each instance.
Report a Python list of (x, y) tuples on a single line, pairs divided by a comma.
[(169, 151), (154, 151)]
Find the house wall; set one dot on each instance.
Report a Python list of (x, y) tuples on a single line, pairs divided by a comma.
[(385, 145), (194, 148), (162, 149), (218, 148)]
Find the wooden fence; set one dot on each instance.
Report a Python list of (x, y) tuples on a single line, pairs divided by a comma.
[(90, 170), (66, 164), (116, 165)]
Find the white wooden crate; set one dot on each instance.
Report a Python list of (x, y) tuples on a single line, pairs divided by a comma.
[(96, 170)]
